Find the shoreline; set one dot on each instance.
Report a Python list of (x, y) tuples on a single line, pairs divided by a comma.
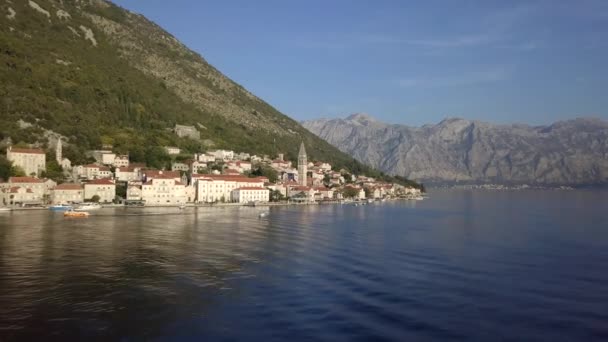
[(212, 205)]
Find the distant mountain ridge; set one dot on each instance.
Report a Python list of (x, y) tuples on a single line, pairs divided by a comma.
[(458, 150)]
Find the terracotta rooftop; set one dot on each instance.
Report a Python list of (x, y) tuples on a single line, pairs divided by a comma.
[(15, 189), (26, 150), (25, 180), (68, 186), (250, 188), (161, 174), (102, 181)]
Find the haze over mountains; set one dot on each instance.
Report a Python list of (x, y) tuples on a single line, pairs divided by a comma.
[(459, 150)]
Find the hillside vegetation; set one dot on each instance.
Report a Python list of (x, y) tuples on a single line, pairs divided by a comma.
[(98, 74)]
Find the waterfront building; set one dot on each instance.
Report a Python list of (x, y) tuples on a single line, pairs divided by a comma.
[(17, 195), (67, 194), (302, 165), (148, 175), (134, 193), (31, 160), (163, 190), (104, 188), (323, 193), (250, 194), (218, 188), (300, 192)]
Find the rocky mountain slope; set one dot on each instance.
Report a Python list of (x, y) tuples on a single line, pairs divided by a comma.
[(457, 150), (99, 74)]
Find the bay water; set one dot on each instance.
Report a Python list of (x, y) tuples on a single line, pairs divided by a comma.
[(460, 265)]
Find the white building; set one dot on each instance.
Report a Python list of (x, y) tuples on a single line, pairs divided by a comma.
[(108, 158), (180, 167), (163, 191), (67, 194), (239, 165), (152, 174), (93, 171), (217, 188), (104, 188), (121, 161), (323, 166), (205, 157), (250, 194), (171, 150), (134, 193), (32, 161), (304, 193), (17, 195), (127, 174), (37, 186), (223, 154)]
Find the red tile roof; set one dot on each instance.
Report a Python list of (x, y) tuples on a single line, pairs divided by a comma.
[(25, 180), (26, 150), (15, 189), (301, 188), (161, 174), (236, 178), (68, 186), (102, 181)]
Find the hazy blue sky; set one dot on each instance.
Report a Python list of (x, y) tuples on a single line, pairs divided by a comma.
[(410, 62)]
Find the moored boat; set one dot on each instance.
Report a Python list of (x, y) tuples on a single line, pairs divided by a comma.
[(76, 214), (86, 207), (60, 207), (5, 209)]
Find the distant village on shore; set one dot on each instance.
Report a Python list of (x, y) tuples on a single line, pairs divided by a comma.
[(216, 176)]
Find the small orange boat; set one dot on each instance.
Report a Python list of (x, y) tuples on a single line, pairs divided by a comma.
[(76, 214)]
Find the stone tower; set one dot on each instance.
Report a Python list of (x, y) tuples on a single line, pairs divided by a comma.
[(59, 151), (302, 165)]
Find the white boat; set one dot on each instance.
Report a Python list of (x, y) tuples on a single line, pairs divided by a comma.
[(60, 207), (419, 198), (87, 207), (263, 214), (5, 209)]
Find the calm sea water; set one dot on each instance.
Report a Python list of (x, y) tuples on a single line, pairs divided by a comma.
[(462, 265)]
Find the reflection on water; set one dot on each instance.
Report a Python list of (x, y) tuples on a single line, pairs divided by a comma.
[(461, 265)]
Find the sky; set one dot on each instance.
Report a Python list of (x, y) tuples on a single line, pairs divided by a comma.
[(407, 62)]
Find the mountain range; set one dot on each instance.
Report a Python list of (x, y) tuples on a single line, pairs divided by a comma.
[(97, 74), (466, 151)]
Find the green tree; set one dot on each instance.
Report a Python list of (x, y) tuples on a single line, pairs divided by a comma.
[(53, 171), (350, 192), (95, 199), (157, 157), (5, 168), (17, 171), (121, 190), (276, 196), (263, 170), (326, 180)]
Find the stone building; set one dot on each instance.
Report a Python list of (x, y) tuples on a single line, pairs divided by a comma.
[(32, 161)]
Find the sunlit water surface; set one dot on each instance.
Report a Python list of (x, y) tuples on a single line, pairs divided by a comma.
[(461, 265)]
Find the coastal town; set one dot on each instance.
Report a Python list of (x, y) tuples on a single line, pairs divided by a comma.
[(212, 177)]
